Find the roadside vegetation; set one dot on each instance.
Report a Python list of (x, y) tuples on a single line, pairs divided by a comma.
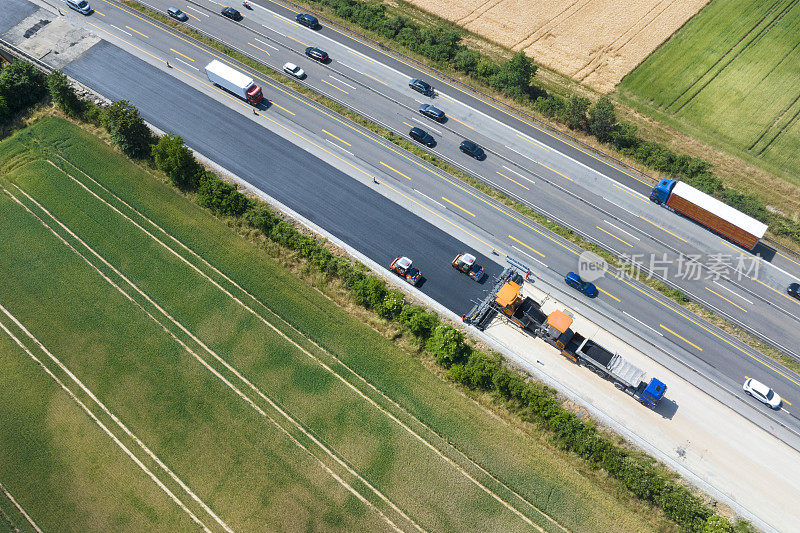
[(672, 293), (536, 407), (441, 45)]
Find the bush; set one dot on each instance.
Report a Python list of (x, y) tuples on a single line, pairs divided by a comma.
[(127, 129), (419, 322), (62, 94), (221, 197), (21, 86), (466, 60), (515, 76), (551, 106), (602, 119), (447, 346), (393, 304), (92, 113), (370, 292), (574, 115), (174, 158)]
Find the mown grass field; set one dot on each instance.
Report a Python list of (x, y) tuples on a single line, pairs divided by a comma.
[(729, 78), (249, 400)]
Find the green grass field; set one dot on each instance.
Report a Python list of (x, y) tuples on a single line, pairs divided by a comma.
[(729, 77), (195, 383)]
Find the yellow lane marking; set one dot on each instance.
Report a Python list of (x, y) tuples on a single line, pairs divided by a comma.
[(458, 206), (730, 302), (446, 98), (407, 124), (182, 55), (334, 86), (137, 31), (537, 145), (365, 58), (515, 181), (462, 123), (717, 335), (295, 40), (196, 18), (526, 246), (101, 14), (390, 168), (787, 257), (681, 338), (258, 48), (515, 117), (374, 78), (434, 213), (664, 229), (635, 195), (611, 234), (556, 171), (272, 102), (607, 294), (779, 292), (732, 247), (337, 138)]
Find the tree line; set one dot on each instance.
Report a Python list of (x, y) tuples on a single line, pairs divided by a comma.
[(532, 401)]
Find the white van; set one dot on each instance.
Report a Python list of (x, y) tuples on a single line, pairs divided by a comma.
[(81, 6)]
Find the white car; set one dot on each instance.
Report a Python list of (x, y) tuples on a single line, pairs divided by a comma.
[(762, 393), (293, 70)]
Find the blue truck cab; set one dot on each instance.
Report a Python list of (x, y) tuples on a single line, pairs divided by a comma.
[(650, 394), (661, 192)]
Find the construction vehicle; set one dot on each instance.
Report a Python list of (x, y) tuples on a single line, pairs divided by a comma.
[(608, 365), (402, 266), (742, 229), (466, 263), (505, 299)]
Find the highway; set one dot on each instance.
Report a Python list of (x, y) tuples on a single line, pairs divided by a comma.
[(326, 168), (602, 203)]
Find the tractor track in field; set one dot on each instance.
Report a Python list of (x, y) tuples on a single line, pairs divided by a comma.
[(755, 26), (443, 441)]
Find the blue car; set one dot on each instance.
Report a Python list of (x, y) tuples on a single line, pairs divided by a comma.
[(575, 281)]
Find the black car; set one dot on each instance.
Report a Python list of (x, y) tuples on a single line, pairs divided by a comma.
[(472, 149), (432, 112), (421, 86), (231, 14), (309, 21), (794, 290), (317, 54), (420, 135), (177, 14)]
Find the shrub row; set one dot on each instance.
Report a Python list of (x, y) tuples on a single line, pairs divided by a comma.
[(533, 401), (487, 372), (441, 43)]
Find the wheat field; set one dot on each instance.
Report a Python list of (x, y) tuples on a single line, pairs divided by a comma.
[(596, 42)]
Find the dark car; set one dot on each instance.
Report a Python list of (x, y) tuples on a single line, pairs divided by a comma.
[(317, 54), (420, 135), (472, 149), (575, 281), (421, 86), (793, 290), (309, 21), (432, 112), (231, 14), (177, 14)]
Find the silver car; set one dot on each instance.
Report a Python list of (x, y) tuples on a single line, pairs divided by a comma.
[(81, 6), (762, 393)]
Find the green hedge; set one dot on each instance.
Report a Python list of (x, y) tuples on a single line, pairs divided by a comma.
[(441, 43), (533, 401)]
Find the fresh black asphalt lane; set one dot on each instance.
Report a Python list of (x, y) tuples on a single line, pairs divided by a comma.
[(348, 209)]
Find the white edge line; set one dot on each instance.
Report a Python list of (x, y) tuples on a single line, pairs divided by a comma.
[(431, 199), (120, 29), (622, 230), (732, 292), (642, 323)]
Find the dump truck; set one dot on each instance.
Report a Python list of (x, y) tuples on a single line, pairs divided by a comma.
[(234, 82), (684, 199), (627, 377)]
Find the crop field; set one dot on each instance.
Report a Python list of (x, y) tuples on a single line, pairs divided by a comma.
[(730, 75), (158, 371), (596, 42)]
